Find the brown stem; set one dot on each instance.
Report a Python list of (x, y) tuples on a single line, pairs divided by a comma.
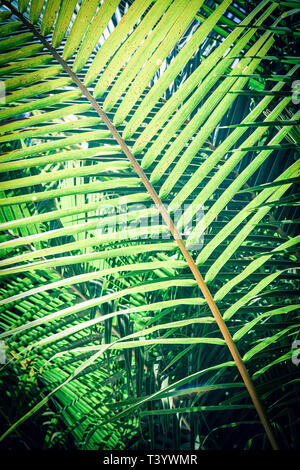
[(166, 217)]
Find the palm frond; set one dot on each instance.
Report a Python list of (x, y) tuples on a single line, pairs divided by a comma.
[(143, 141)]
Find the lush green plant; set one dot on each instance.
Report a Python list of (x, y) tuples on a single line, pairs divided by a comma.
[(133, 110)]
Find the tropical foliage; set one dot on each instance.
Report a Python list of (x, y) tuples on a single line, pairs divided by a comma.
[(144, 142)]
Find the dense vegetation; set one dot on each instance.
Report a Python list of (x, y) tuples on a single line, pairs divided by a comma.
[(143, 143)]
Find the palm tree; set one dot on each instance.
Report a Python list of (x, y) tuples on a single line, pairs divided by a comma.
[(149, 223)]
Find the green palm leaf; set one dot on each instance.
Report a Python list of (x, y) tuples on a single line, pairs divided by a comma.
[(96, 164)]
